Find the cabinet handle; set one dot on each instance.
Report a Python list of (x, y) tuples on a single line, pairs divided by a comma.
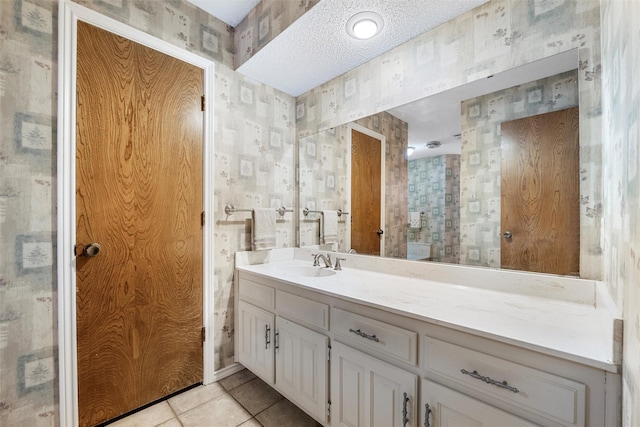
[(267, 336), (405, 401), (277, 344), (427, 415), (501, 384), (363, 335)]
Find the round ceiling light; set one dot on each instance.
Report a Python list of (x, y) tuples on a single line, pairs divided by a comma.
[(364, 25)]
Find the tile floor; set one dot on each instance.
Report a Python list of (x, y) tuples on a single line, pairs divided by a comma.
[(240, 400)]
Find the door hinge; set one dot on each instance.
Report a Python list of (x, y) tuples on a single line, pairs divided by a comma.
[(329, 353), (202, 217), (204, 334), (329, 410), (202, 104)]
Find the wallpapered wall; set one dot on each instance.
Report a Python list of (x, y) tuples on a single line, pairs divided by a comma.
[(434, 188), (254, 135), (490, 39), (495, 37), (324, 181), (621, 160), (268, 19), (481, 160)]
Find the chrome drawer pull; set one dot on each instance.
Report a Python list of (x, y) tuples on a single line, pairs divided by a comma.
[(267, 336), (501, 384), (427, 412), (363, 335), (405, 400)]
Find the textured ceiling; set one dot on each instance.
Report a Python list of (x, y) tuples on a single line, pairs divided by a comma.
[(316, 48)]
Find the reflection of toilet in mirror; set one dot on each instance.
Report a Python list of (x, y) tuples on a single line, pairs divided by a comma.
[(419, 251)]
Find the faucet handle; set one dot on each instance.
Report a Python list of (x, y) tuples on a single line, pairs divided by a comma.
[(338, 266), (316, 263)]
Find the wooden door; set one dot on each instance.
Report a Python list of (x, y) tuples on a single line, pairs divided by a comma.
[(366, 172), (139, 196), (540, 203), (443, 407)]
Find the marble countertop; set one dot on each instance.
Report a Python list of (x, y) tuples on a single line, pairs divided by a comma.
[(579, 332)]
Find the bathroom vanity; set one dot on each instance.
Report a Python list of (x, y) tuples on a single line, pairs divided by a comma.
[(398, 343)]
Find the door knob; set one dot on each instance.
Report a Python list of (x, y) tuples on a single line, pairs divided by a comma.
[(379, 232), (507, 235), (91, 250)]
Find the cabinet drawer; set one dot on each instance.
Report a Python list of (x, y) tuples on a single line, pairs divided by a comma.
[(257, 293), (361, 331), (555, 398), (302, 310)]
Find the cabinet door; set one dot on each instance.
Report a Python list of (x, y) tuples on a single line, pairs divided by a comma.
[(302, 367), (256, 347), (444, 407), (368, 392)]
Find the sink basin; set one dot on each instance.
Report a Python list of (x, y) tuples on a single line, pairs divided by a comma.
[(311, 271)]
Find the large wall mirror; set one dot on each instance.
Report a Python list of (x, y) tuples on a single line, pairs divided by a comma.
[(445, 201)]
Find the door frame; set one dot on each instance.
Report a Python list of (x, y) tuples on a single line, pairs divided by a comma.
[(69, 14), (383, 144)]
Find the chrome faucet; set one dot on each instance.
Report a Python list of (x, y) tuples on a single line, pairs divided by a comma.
[(318, 257)]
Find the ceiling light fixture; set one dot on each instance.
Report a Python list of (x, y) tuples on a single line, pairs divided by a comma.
[(433, 144), (410, 150), (364, 25)]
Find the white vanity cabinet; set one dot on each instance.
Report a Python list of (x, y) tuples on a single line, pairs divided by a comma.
[(255, 346), (391, 369), (288, 356), (302, 363), (366, 391), (441, 406)]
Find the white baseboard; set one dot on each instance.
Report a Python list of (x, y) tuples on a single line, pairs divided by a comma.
[(225, 372)]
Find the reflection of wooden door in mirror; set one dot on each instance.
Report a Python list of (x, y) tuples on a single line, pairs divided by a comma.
[(366, 158), (541, 193)]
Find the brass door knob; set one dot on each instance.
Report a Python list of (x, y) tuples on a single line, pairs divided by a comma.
[(507, 235), (379, 232), (91, 250)]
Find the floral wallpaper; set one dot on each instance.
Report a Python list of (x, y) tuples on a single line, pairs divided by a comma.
[(621, 160), (268, 19), (323, 181), (481, 159), (254, 137), (497, 36), (434, 188)]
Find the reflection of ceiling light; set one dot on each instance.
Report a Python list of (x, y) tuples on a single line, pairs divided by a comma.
[(432, 144), (410, 150), (364, 25)]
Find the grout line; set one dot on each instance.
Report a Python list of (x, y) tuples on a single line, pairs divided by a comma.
[(176, 417)]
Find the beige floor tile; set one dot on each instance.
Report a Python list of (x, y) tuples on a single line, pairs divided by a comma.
[(251, 423), (222, 411), (255, 396), (152, 416), (236, 379), (195, 397), (285, 414), (174, 422)]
